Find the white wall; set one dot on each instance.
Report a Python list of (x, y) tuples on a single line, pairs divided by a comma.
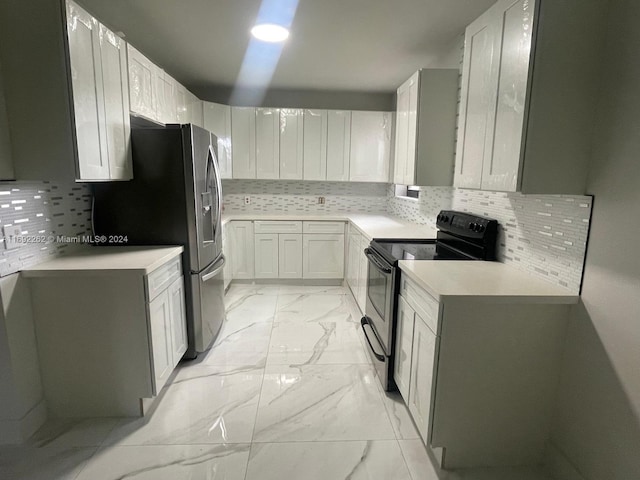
[(598, 416)]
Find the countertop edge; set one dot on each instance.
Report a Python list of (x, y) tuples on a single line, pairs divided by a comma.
[(36, 272), (560, 299)]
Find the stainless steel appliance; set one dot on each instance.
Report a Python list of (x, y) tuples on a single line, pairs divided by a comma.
[(175, 198), (460, 236)]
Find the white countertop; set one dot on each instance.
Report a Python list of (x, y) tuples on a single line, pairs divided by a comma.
[(371, 226), (92, 260), (488, 281)]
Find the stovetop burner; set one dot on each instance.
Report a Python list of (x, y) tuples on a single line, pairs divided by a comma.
[(393, 250)]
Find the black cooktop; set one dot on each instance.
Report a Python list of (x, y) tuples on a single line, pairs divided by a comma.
[(393, 250)]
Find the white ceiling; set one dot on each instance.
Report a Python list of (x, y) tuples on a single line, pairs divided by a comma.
[(345, 45)]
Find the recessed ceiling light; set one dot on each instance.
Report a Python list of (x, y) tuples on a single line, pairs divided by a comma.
[(269, 32)]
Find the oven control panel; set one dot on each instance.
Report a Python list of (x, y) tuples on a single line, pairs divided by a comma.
[(466, 225)]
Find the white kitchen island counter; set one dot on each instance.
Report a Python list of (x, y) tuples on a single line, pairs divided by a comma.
[(90, 260), (445, 280), (371, 226)]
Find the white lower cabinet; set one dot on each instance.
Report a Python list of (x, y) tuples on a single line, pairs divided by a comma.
[(363, 272), (357, 267), (243, 250), (122, 333), (227, 242), (323, 256), (415, 352), (289, 255), (422, 362), (178, 316), (266, 255), (404, 345), (160, 327)]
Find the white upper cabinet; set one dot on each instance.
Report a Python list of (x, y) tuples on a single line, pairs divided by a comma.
[(243, 141), (142, 84), (116, 105), (370, 144), (527, 105), (291, 143), (338, 145), (167, 108), (217, 119), (182, 112), (100, 98), (88, 99), (315, 145), (425, 128), (267, 143), (195, 110)]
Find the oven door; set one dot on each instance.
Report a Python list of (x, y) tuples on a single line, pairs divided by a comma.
[(379, 308)]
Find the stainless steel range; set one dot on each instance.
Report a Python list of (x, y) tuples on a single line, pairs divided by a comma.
[(460, 236)]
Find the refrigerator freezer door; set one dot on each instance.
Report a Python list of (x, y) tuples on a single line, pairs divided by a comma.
[(207, 291), (204, 203)]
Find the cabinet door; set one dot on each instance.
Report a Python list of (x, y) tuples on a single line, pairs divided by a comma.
[(266, 255), (501, 167), (267, 143), (370, 144), (338, 145), (243, 142), (290, 255), (363, 271), (141, 88), (182, 111), (402, 131), (116, 101), (88, 94), (178, 320), (353, 263), (227, 241), (194, 108), (323, 256), (161, 347), (167, 109), (291, 136), (477, 100), (217, 119), (315, 145), (404, 344), (422, 362), (243, 252)]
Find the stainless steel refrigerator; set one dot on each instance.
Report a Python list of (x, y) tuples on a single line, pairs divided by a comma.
[(175, 198)]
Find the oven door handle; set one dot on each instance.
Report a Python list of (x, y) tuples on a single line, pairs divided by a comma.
[(376, 263), (364, 321)]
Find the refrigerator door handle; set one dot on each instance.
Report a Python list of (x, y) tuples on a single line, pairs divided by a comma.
[(216, 170), (219, 267)]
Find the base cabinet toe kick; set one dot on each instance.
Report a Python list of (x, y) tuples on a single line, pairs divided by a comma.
[(479, 377), (108, 341)]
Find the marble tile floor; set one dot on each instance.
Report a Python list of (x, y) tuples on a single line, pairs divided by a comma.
[(286, 392)]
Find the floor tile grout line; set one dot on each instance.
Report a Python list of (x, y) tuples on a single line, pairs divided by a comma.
[(264, 373)]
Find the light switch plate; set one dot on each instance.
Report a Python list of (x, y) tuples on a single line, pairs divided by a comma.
[(11, 232)]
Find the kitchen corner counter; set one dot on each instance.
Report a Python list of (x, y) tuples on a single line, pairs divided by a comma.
[(371, 226), (104, 260), (483, 281)]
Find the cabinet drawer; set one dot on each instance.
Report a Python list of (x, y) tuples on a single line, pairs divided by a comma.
[(424, 304), (162, 277), (277, 227), (323, 227)]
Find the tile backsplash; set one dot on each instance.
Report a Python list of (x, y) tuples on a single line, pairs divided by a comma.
[(544, 235), (44, 211), (286, 196)]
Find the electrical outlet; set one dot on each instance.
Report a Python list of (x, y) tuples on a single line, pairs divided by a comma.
[(247, 200), (11, 234), (320, 200)]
